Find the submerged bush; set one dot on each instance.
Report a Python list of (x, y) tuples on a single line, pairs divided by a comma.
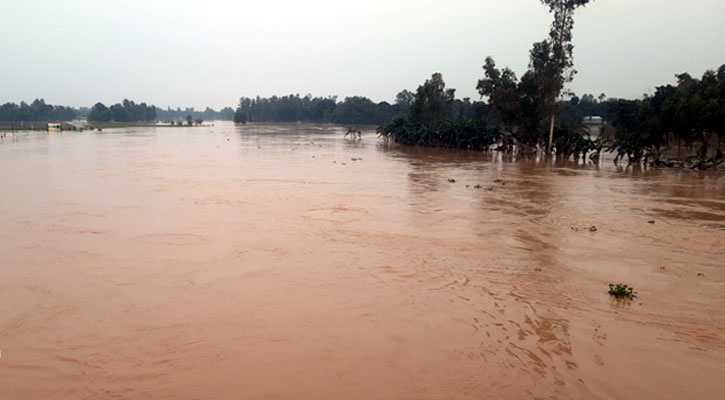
[(467, 134), (622, 291)]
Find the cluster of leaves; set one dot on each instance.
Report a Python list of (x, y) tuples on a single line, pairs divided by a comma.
[(128, 111), (622, 291), (693, 112), (354, 110), (38, 110)]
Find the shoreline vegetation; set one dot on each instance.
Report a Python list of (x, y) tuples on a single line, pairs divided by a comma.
[(677, 126), (38, 112), (43, 126)]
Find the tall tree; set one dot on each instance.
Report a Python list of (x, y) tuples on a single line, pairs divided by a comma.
[(432, 100), (100, 113), (501, 88), (560, 38), (403, 101)]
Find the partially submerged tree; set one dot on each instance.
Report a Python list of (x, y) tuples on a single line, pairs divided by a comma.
[(240, 116), (561, 51), (501, 88), (521, 107), (691, 113)]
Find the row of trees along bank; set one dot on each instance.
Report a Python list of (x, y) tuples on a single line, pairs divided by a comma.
[(38, 110), (354, 110)]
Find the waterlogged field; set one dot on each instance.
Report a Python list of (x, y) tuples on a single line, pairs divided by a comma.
[(286, 262)]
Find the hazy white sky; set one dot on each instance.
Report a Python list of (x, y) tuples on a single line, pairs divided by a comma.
[(211, 52)]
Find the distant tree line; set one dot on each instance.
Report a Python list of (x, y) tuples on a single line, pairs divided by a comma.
[(127, 111), (225, 114), (355, 110), (38, 110)]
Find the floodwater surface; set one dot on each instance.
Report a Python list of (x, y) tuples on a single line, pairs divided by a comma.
[(287, 262)]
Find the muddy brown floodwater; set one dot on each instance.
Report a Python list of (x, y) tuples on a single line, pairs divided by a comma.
[(285, 262)]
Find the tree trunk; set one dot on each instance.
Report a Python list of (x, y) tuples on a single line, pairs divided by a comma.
[(551, 135)]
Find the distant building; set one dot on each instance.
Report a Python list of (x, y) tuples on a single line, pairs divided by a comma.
[(54, 127), (594, 125)]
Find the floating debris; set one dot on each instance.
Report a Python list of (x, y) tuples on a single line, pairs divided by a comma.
[(451, 180)]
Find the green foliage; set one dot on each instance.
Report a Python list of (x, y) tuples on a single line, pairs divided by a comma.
[(293, 108), (467, 134), (240, 117), (38, 110), (560, 48), (403, 101), (128, 111), (100, 113), (521, 106), (572, 139), (354, 110), (587, 105), (622, 291), (359, 110), (691, 112), (432, 100), (501, 89)]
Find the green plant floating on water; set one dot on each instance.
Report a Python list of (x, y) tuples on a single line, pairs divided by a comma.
[(622, 291)]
